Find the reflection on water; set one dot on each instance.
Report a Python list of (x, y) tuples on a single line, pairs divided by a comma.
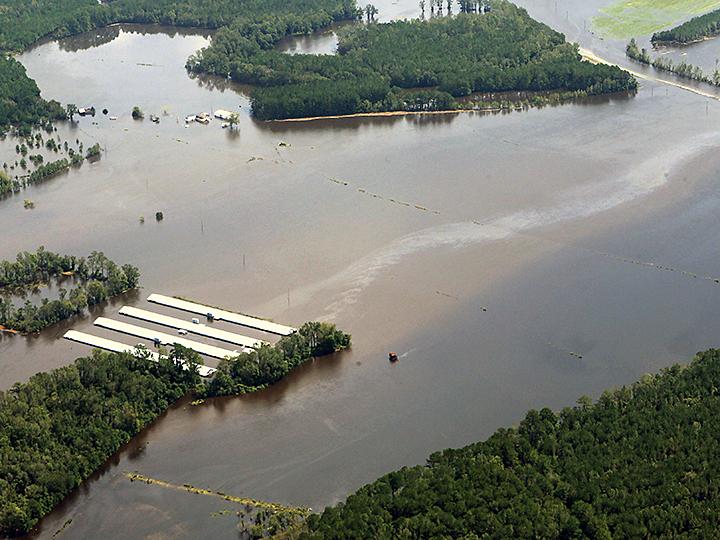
[(103, 36), (325, 42)]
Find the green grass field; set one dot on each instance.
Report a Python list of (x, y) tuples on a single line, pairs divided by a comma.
[(632, 18)]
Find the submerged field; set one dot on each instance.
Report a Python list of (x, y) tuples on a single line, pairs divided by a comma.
[(628, 18), (505, 261)]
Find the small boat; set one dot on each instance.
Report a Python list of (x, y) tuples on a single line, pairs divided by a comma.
[(190, 118), (393, 357), (113, 117)]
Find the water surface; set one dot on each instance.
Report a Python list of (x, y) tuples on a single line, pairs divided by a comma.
[(514, 252)]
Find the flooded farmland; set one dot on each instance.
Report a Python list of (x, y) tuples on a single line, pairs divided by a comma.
[(511, 260)]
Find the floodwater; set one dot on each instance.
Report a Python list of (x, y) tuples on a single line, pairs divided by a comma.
[(519, 275)]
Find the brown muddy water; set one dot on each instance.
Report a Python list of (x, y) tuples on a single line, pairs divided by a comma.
[(532, 239)]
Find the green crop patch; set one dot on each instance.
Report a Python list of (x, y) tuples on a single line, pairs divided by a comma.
[(630, 18)]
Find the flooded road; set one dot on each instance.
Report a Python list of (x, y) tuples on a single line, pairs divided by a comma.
[(517, 275)]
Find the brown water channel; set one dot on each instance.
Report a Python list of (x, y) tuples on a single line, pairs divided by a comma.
[(510, 262)]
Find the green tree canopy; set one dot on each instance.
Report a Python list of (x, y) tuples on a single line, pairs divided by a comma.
[(641, 462)]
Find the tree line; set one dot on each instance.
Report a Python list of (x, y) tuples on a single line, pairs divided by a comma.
[(20, 101), (401, 66), (682, 69), (380, 67), (23, 22), (695, 29), (100, 279), (34, 140), (59, 427), (641, 462), (6, 184), (266, 365)]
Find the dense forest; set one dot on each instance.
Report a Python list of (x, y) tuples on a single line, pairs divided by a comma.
[(100, 279), (695, 29), (255, 370), (22, 22), (20, 101), (29, 141), (401, 66), (641, 462), (380, 67), (59, 427)]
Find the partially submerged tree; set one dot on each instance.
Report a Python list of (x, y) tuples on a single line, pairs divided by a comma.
[(71, 110)]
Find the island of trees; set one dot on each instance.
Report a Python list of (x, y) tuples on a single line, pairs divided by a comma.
[(401, 66), (99, 277), (696, 29), (253, 371), (641, 462)]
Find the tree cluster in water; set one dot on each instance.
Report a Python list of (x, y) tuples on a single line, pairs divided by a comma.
[(404, 65), (252, 371), (640, 463), (18, 182), (59, 427), (683, 69), (101, 279), (695, 29)]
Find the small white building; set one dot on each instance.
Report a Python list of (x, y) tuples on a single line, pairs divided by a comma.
[(222, 114)]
